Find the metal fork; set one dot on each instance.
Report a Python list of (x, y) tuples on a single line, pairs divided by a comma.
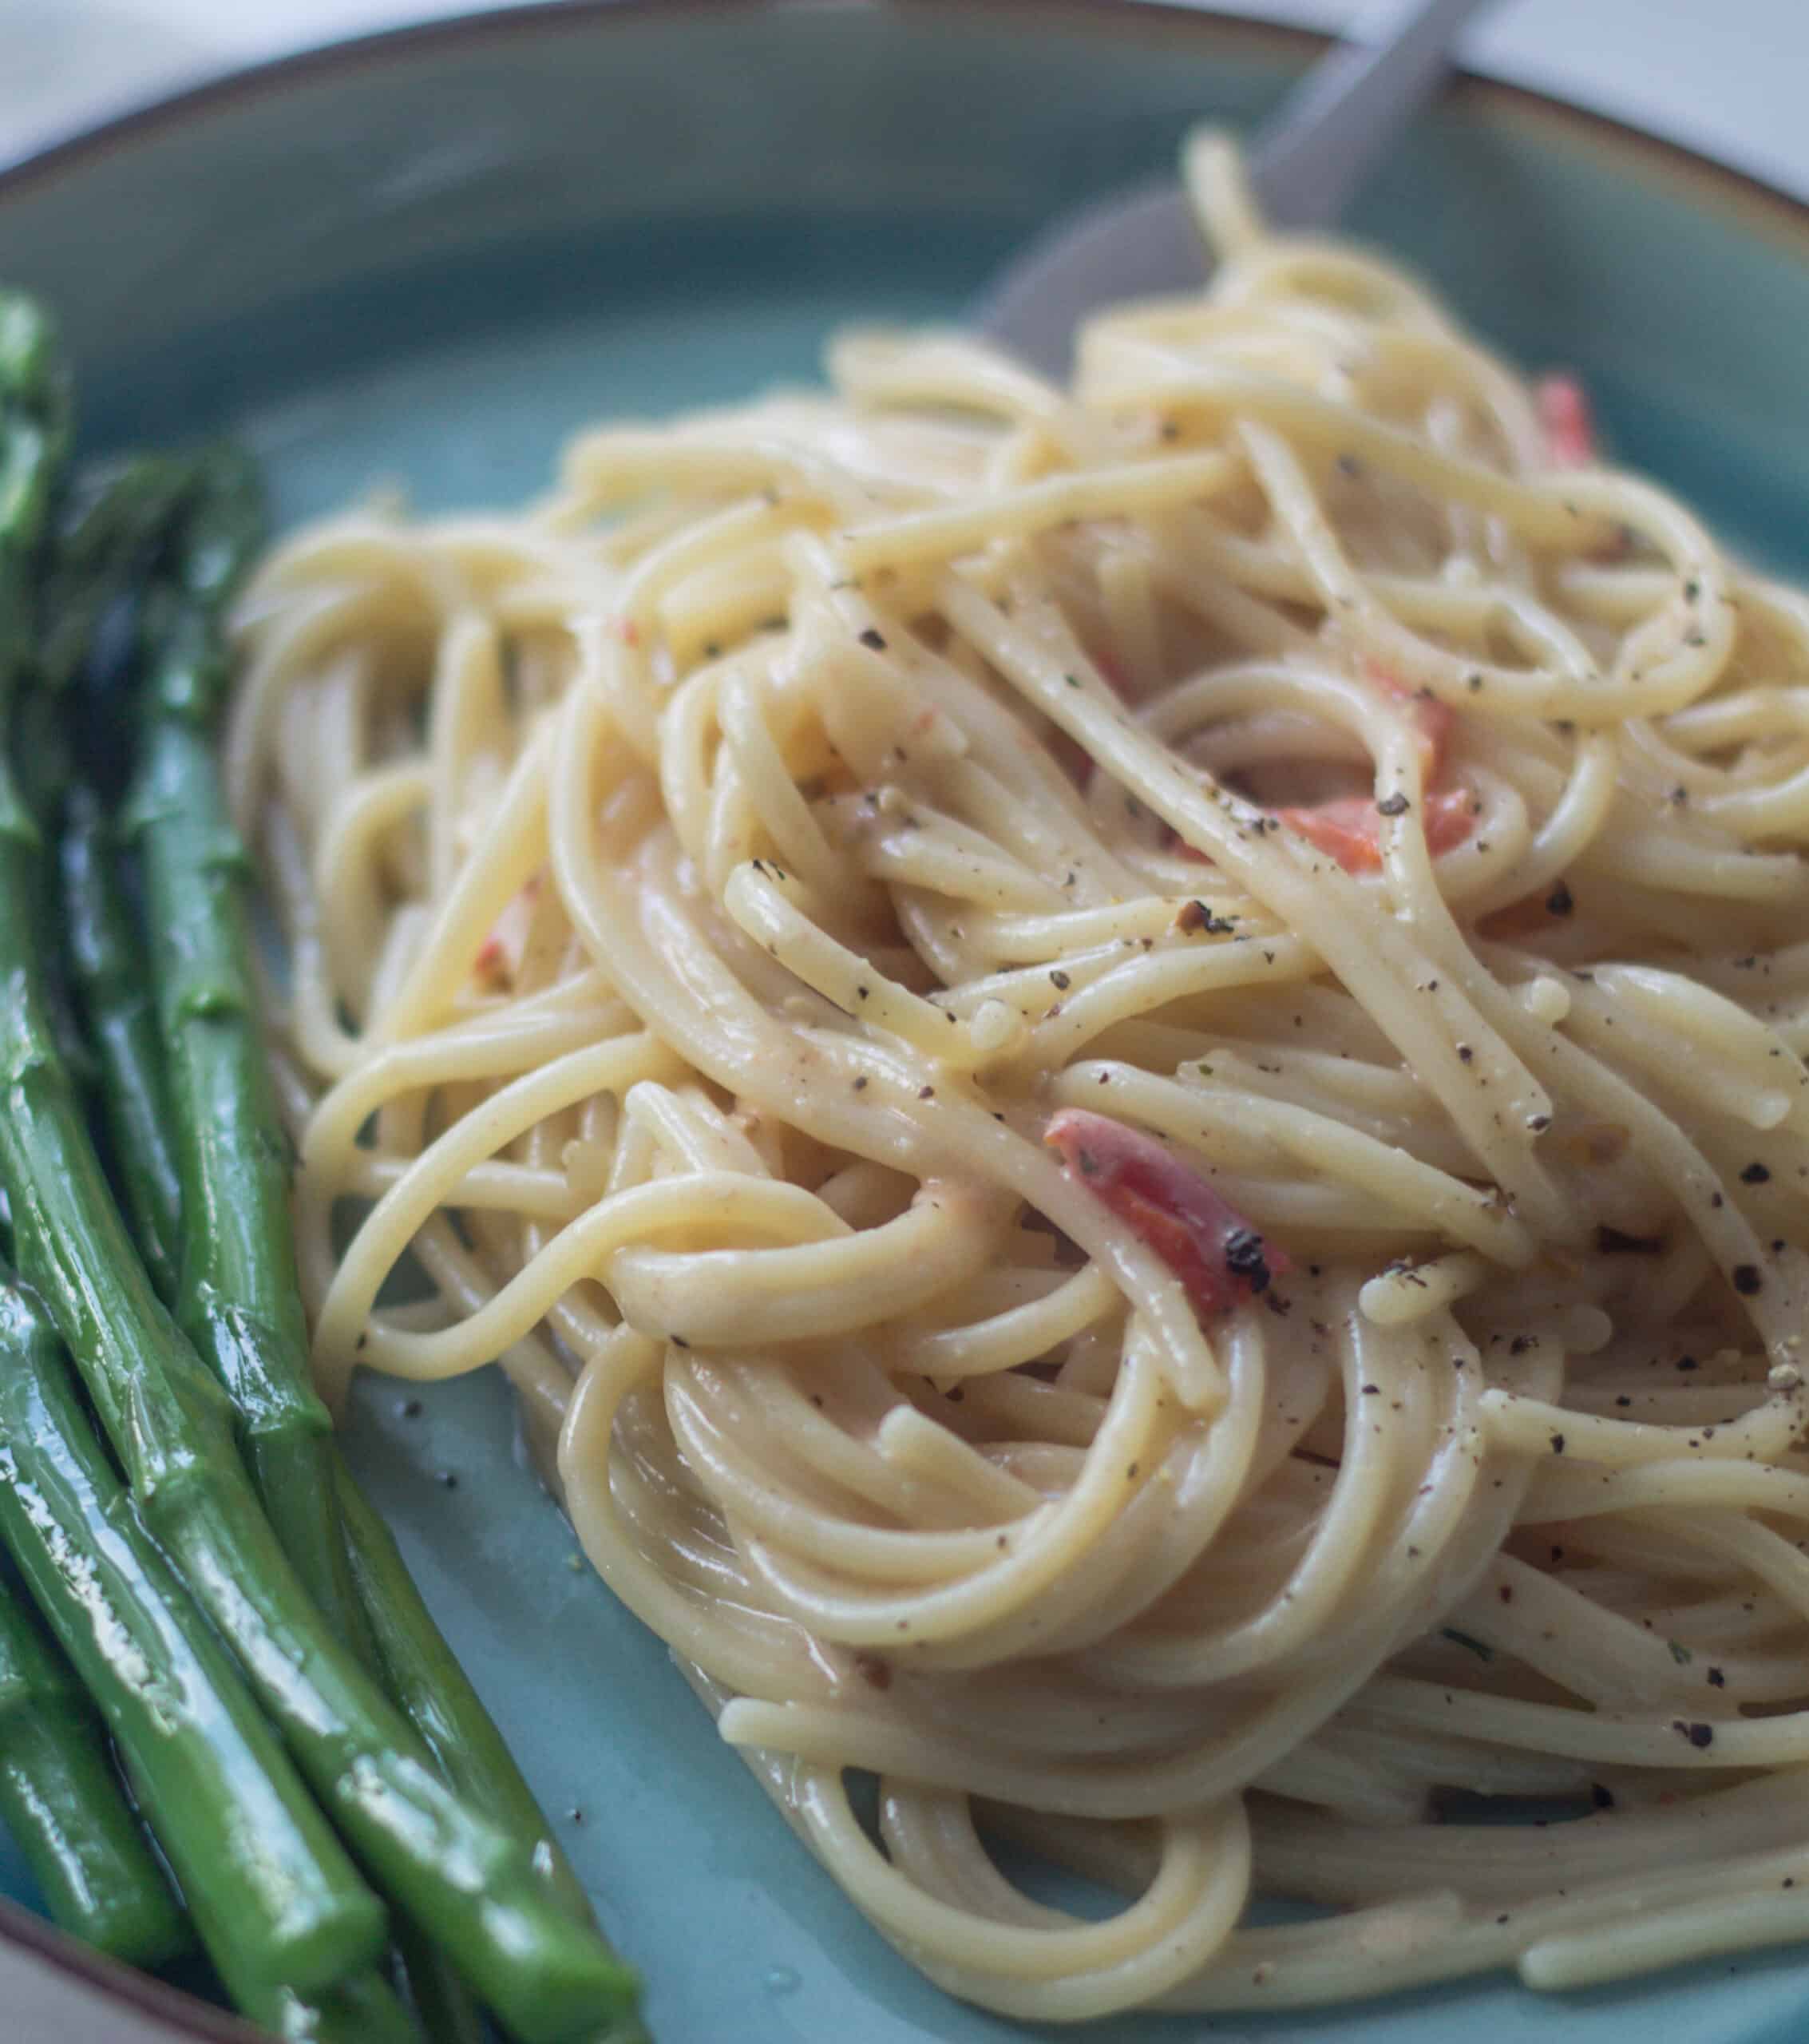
[(1304, 165)]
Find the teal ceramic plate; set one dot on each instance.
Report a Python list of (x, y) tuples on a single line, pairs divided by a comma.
[(426, 258)]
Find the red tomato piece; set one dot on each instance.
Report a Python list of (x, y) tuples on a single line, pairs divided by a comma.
[(1349, 829)]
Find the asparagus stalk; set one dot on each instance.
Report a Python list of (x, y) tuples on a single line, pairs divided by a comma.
[(360, 2010), (423, 1674), (267, 1882), (233, 1150), (237, 1299), (34, 437), (64, 1806), (111, 519), (266, 1879), (462, 1877), (103, 539), (105, 533), (34, 434), (446, 2010), (239, 1328), (111, 980)]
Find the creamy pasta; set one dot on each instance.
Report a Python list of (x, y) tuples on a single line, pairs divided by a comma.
[(1120, 1071)]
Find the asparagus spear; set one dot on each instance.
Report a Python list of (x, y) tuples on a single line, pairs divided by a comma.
[(424, 1675), (121, 1895), (264, 1877), (238, 1299), (286, 1430), (34, 436), (232, 1147), (104, 536), (111, 518), (64, 1806), (360, 2010), (456, 1872), (230, 1144), (112, 979), (446, 2010), (100, 553)]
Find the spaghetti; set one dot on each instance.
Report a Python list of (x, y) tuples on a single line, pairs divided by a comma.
[(1121, 1072)]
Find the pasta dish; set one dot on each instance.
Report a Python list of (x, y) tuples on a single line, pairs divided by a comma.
[(1120, 1071)]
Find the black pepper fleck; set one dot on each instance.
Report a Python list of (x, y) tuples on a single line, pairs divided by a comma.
[(1243, 1258)]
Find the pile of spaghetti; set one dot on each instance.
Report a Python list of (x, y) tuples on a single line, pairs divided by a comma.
[(1121, 1070)]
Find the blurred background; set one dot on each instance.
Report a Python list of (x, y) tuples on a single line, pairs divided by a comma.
[(1725, 75)]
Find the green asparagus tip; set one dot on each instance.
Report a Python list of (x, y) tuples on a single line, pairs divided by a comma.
[(211, 551), (34, 434), (115, 515)]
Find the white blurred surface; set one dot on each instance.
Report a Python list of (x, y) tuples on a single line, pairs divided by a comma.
[(1725, 75)]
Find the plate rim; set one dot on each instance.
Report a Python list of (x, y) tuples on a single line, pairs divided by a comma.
[(33, 1941), (1764, 206)]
